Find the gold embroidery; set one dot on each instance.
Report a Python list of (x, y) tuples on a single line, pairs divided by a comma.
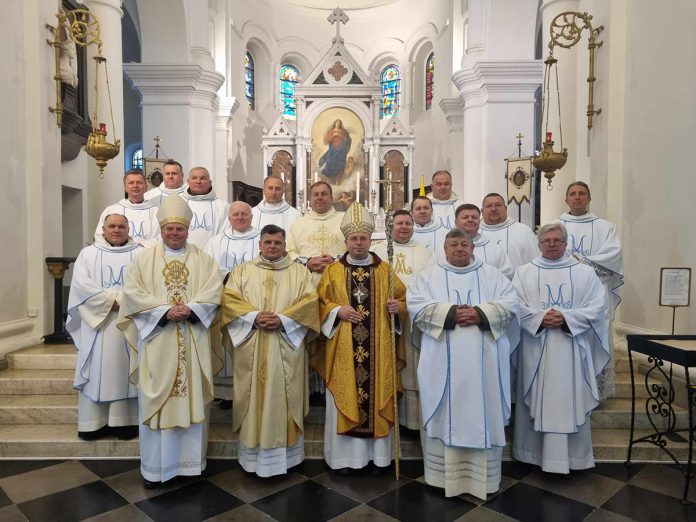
[(176, 281), (360, 333), (361, 354), (360, 293), (360, 274), (323, 238), (362, 395), (400, 266), (363, 311)]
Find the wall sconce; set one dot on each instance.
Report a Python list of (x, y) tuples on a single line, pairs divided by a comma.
[(81, 27)]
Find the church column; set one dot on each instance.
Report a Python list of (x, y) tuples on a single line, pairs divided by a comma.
[(407, 92), (453, 108), (105, 191), (223, 128), (179, 104), (553, 201), (376, 104)]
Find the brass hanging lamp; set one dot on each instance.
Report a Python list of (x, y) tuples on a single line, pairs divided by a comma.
[(548, 160), (82, 27)]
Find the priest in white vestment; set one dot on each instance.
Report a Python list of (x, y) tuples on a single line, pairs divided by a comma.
[(140, 213), (315, 240), (172, 183), (106, 396), (170, 301), (238, 244), (468, 218), (269, 306), (209, 211), (427, 231), (273, 209), (564, 347), (516, 239), (466, 312), (595, 242), (445, 202), (359, 361), (409, 259)]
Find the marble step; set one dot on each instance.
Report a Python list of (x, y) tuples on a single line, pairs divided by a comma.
[(36, 382), (44, 357), (38, 409), (622, 386), (616, 414), (621, 364), (60, 441)]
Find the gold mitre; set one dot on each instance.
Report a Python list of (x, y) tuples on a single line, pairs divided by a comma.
[(174, 209), (357, 219)]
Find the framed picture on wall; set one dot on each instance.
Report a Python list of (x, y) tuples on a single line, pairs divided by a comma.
[(154, 171)]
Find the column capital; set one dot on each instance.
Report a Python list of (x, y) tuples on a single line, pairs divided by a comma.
[(173, 84), (454, 113), (500, 80)]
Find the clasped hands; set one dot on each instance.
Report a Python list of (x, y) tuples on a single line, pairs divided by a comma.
[(553, 319), (178, 312), (268, 321), (350, 314), (466, 315), (319, 263)]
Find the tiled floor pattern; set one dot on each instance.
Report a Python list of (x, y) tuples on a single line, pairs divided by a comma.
[(111, 490)]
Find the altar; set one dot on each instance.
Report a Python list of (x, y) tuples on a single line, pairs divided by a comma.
[(338, 136)]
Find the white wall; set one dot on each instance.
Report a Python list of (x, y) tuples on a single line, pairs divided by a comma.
[(659, 186)]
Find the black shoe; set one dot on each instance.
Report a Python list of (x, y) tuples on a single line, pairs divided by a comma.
[(344, 472), (93, 435), (125, 432), (225, 405), (377, 471), (148, 484)]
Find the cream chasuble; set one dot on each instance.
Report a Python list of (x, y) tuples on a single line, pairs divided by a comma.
[(410, 258), (270, 367), (316, 234)]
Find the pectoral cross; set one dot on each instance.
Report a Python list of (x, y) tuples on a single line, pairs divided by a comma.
[(338, 17)]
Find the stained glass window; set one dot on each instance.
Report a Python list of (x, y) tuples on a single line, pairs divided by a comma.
[(137, 159), (289, 76), (390, 78), (249, 79), (429, 78)]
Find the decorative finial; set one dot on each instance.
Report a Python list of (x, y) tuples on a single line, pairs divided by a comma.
[(338, 17)]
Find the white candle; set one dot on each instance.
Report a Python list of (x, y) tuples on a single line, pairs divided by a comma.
[(316, 176), (357, 193)]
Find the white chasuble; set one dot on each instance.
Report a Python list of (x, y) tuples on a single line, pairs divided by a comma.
[(516, 239), (431, 236), (444, 209), (157, 194), (172, 362), (271, 395), (557, 367), (209, 217), (279, 214), (492, 254), (143, 226), (101, 375), (464, 362), (232, 248), (595, 242), (410, 259)]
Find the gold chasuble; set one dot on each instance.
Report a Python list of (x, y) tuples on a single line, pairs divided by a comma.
[(270, 374), (175, 367), (358, 362)]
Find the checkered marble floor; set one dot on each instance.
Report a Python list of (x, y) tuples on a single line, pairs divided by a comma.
[(105, 490)]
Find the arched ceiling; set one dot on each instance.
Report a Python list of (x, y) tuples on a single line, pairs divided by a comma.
[(346, 5)]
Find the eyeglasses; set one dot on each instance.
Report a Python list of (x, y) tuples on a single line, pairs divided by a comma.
[(552, 241)]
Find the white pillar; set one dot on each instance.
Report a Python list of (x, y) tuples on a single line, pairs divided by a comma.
[(553, 201), (180, 105), (109, 189), (453, 109), (223, 127)]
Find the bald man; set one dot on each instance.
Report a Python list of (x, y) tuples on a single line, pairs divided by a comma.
[(273, 209), (209, 211), (444, 200)]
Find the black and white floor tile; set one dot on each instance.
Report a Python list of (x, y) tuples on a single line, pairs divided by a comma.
[(112, 490)]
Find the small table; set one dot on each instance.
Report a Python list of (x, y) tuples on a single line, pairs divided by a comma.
[(675, 349)]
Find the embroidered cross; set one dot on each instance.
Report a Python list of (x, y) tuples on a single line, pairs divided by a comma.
[(360, 294), (323, 238), (337, 70)]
